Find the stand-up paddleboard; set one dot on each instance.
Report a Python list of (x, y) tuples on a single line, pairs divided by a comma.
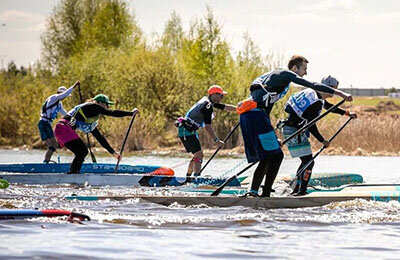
[(28, 213), (86, 168), (3, 184), (120, 179), (375, 192), (323, 179)]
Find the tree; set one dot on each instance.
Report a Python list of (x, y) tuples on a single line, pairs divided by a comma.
[(77, 25)]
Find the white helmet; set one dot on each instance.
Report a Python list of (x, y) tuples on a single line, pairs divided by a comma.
[(61, 89), (330, 81)]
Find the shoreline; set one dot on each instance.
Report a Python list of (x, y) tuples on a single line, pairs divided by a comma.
[(237, 152)]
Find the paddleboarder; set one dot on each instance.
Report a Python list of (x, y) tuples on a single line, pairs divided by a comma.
[(84, 117), (200, 115), (50, 109), (303, 107), (260, 141)]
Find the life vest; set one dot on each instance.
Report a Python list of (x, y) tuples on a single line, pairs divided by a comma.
[(267, 96), (195, 113), (245, 106), (86, 126), (300, 101), (53, 112)]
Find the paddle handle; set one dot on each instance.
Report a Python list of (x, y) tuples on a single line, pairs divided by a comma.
[(306, 126), (126, 138), (220, 188), (219, 148)]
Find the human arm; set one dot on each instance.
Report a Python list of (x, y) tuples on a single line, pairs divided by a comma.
[(91, 110), (230, 108), (102, 140), (340, 111), (212, 135)]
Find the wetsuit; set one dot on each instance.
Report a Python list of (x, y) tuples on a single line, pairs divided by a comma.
[(303, 107), (83, 117), (201, 113), (259, 137)]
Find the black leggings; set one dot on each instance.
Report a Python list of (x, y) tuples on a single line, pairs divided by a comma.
[(78, 147), (301, 182), (268, 168)]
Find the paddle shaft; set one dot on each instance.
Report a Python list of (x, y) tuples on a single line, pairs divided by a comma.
[(220, 188), (87, 134), (219, 148), (126, 138), (320, 150), (306, 126)]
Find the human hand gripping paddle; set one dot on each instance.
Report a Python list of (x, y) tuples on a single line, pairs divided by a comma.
[(87, 135), (306, 126), (219, 148), (135, 112), (293, 182)]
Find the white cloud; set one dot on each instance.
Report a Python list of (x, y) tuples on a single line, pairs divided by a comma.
[(21, 16), (351, 6)]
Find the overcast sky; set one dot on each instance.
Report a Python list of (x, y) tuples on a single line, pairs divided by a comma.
[(357, 41)]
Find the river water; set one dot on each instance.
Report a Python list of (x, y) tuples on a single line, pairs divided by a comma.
[(134, 229)]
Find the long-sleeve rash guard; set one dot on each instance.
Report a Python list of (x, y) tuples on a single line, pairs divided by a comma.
[(93, 110)]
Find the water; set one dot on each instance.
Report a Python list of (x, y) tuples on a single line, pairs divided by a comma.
[(138, 230)]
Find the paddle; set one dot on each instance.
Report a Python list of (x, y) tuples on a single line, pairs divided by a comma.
[(126, 138), (87, 135), (220, 188), (293, 182), (219, 148), (306, 126)]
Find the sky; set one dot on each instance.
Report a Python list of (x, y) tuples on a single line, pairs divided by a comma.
[(356, 41)]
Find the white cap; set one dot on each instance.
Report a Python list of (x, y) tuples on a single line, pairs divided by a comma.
[(61, 89), (330, 81)]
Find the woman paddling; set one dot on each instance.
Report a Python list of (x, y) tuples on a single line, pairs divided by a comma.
[(85, 117)]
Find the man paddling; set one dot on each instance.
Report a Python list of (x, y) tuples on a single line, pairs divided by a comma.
[(84, 117), (201, 115), (303, 107), (50, 109), (260, 141)]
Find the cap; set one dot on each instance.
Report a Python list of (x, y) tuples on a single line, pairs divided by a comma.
[(61, 89), (101, 98), (215, 89), (330, 81)]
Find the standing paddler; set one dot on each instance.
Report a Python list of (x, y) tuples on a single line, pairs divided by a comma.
[(260, 141), (84, 117), (303, 107), (50, 109), (201, 115)]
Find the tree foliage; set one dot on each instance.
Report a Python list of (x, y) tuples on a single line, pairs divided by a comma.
[(100, 43)]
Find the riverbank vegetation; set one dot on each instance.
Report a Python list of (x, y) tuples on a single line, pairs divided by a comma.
[(100, 43)]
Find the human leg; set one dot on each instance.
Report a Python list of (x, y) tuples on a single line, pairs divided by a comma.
[(52, 145), (272, 168), (78, 147), (305, 176)]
